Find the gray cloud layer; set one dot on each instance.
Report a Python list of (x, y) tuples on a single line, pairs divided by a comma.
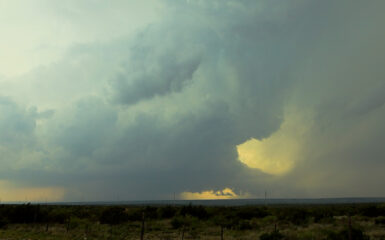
[(142, 117)]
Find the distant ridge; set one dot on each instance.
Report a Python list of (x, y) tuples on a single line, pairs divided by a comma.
[(228, 202)]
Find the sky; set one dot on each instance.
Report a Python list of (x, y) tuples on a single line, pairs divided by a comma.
[(198, 99)]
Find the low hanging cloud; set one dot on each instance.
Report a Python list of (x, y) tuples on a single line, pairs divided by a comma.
[(279, 153), (226, 193), (235, 95)]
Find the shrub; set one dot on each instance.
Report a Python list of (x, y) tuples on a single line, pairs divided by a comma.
[(268, 220), (150, 212), (297, 216), (134, 214), (372, 211), (177, 222), (113, 215), (184, 221), (321, 215), (244, 225), (166, 212), (3, 222), (356, 233), (274, 235), (75, 222), (25, 213), (59, 216), (251, 212), (380, 220), (195, 211)]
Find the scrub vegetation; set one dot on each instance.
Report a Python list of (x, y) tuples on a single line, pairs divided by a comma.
[(326, 222)]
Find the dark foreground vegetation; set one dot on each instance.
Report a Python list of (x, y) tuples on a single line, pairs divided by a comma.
[(329, 222)]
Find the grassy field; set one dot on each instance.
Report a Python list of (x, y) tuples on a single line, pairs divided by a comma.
[(329, 222)]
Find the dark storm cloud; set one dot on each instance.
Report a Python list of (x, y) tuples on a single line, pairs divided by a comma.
[(209, 86), (163, 112), (87, 127), (155, 69), (17, 124)]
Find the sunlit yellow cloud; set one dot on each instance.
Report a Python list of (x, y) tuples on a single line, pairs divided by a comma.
[(278, 153), (8, 193), (226, 193)]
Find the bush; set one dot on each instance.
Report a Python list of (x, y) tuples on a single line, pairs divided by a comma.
[(58, 216), (25, 213), (134, 214), (380, 220), (177, 222), (113, 215), (150, 212), (322, 215), (3, 222), (166, 212), (195, 211), (268, 220), (251, 212), (75, 222), (244, 225), (184, 221), (372, 211), (274, 235), (356, 233), (297, 216)]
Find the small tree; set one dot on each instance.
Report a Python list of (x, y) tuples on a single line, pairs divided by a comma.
[(184, 223), (223, 221), (113, 215)]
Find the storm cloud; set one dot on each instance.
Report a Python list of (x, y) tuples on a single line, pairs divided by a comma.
[(203, 97)]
